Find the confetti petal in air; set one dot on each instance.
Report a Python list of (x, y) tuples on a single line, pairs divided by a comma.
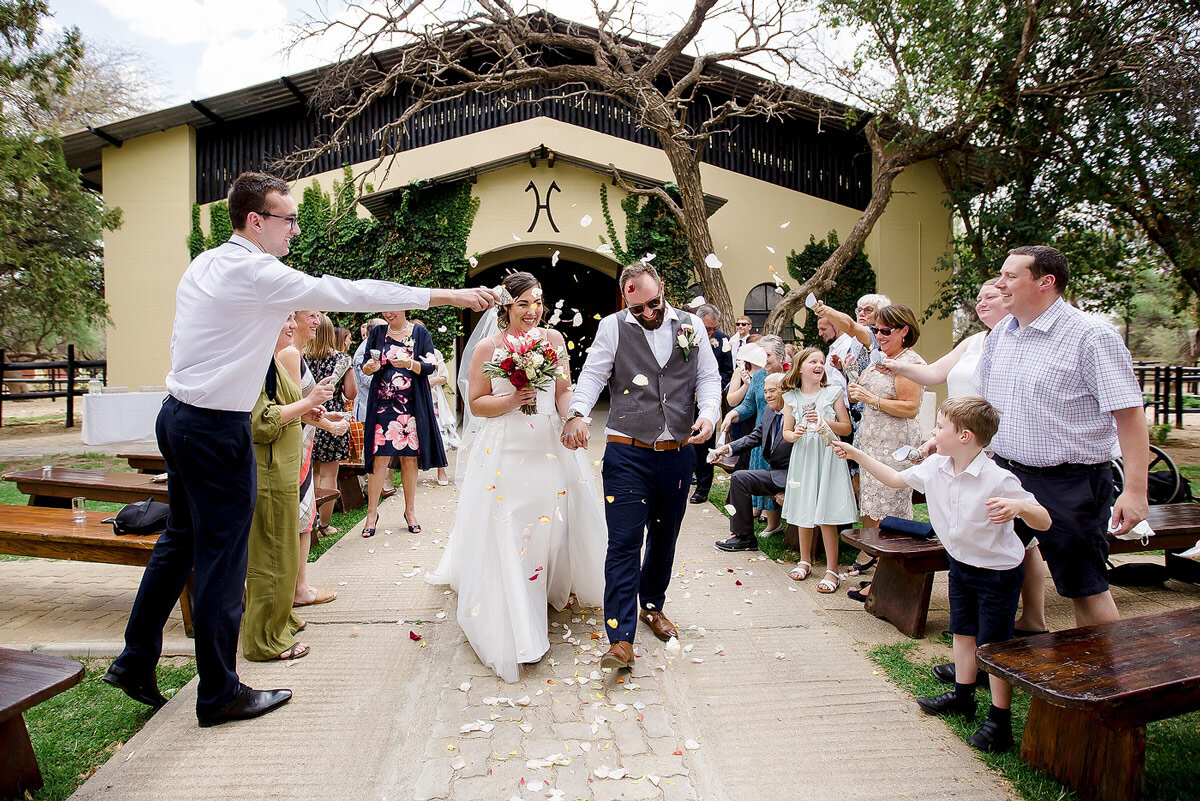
[(441, 329), (649, 257), (769, 248), (610, 498), (585, 221), (604, 248), (554, 261), (516, 238), (612, 622), (577, 320), (786, 224), (474, 262), (640, 380), (712, 261), (729, 508), (696, 302)]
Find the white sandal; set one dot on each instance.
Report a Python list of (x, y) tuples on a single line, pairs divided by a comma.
[(826, 586), (803, 568)]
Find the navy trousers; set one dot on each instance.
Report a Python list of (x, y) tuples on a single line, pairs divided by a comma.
[(211, 489), (646, 495)]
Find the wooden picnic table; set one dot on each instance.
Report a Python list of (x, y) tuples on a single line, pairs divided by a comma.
[(1094, 690), (903, 582), (145, 462), (26, 679), (64, 483), (53, 534)]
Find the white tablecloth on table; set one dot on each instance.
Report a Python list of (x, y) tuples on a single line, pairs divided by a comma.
[(120, 417)]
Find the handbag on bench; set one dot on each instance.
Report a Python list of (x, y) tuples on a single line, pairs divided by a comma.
[(140, 518)]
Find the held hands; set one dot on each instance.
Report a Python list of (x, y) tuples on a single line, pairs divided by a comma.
[(575, 434)]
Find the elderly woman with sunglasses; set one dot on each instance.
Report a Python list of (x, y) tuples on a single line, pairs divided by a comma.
[(890, 405)]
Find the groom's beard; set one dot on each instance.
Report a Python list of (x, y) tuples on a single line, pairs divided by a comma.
[(654, 322)]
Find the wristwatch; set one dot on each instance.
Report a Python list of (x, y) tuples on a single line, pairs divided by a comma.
[(571, 415)]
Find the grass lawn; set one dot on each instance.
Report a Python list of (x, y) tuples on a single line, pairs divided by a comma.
[(75, 732), (1172, 772)]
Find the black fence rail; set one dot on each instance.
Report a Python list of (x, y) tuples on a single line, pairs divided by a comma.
[(1170, 387), (59, 377)]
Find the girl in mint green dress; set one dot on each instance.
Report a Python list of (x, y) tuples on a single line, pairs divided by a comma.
[(818, 492)]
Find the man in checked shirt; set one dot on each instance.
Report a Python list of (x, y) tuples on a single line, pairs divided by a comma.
[(1064, 384)]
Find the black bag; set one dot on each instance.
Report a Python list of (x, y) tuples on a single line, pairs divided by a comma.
[(142, 517), (913, 528)]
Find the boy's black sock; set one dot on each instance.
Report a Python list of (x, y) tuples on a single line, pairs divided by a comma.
[(964, 691), (1001, 716)]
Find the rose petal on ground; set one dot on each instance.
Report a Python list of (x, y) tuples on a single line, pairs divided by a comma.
[(691, 745), (412, 635), (465, 686)]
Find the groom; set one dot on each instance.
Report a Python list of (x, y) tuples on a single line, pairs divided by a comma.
[(665, 371)]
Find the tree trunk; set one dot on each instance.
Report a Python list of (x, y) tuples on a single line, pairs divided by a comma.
[(694, 218), (886, 169)]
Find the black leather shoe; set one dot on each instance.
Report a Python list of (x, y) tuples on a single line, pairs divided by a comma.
[(246, 704), (736, 543), (992, 737), (143, 689), (945, 674), (949, 704), (699, 496)]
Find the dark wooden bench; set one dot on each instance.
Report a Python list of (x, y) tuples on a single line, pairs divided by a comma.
[(1094, 690), (145, 462), (64, 483), (53, 534), (26, 679), (904, 575)]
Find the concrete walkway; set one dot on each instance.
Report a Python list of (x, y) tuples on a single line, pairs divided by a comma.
[(771, 700)]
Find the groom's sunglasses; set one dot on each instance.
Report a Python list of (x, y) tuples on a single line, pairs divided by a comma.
[(651, 304)]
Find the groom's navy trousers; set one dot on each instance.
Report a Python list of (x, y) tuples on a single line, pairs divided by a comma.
[(211, 490), (645, 499)]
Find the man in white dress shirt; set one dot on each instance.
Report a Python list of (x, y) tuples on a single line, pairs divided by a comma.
[(667, 369), (742, 330), (229, 308)]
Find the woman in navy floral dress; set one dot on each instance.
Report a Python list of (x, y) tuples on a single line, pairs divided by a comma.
[(401, 423)]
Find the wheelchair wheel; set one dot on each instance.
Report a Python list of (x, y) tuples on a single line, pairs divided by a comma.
[(1161, 463)]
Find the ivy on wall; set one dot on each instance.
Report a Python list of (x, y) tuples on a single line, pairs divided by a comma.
[(650, 227), (424, 243), (854, 281)]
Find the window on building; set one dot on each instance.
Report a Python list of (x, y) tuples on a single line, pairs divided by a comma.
[(759, 302)]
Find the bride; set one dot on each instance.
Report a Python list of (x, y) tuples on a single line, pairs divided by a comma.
[(530, 528)]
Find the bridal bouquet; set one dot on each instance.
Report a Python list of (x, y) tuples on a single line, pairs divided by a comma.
[(526, 360)]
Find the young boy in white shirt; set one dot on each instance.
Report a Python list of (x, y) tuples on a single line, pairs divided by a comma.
[(972, 503)]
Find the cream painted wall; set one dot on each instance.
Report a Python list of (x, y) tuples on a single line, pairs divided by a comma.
[(153, 180), (910, 236)]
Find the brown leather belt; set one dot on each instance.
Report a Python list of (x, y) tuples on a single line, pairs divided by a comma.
[(661, 445)]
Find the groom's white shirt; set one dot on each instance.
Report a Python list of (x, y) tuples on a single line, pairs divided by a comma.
[(603, 351)]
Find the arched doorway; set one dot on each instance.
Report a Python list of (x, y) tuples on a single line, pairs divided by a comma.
[(587, 291)]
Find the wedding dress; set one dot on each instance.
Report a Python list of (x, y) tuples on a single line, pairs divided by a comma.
[(529, 531)]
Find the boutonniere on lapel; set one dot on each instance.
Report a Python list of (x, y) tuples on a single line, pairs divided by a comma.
[(687, 339)]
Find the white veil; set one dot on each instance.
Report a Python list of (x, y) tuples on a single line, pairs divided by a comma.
[(487, 326)]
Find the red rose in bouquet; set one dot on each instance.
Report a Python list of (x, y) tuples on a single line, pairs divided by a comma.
[(528, 360)]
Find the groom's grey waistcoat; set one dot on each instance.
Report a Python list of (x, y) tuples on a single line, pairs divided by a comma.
[(667, 399)]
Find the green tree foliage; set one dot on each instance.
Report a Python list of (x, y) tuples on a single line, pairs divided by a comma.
[(856, 279), (651, 227), (423, 244), (220, 228), (51, 270), (195, 241), (426, 245)]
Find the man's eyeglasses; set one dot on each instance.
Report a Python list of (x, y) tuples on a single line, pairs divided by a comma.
[(881, 332), (291, 218), (651, 304), (743, 325)]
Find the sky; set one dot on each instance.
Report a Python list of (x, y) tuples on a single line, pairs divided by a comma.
[(196, 48), (200, 48)]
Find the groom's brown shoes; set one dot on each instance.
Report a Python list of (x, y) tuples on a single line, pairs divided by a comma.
[(618, 657), (663, 629)]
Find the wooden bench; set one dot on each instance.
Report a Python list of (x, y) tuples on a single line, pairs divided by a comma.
[(1094, 690), (26, 679), (145, 462), (903, 580), (64, 483), (53, 534)]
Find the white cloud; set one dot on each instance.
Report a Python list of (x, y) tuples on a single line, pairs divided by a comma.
[(180, 22)]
